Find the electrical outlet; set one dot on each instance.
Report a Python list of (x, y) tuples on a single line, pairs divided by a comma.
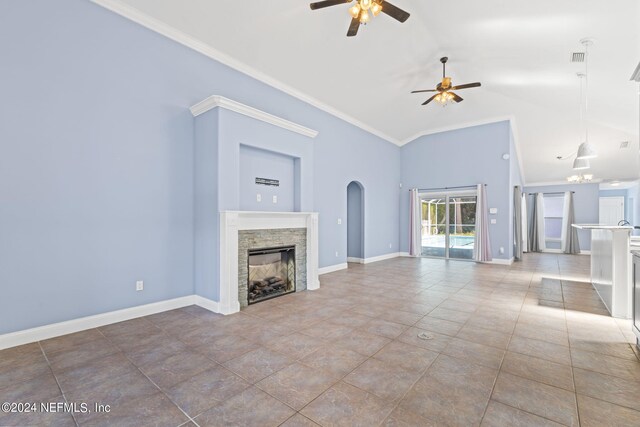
[(501, 250), (339, 221), (390, 245), (493, 221), (275, 199), (258, 197), (336, 253), (139, 285)]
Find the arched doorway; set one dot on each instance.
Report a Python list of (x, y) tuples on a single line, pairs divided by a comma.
[(355, 222)]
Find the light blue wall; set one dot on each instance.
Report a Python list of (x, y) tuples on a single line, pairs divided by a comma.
[(256, 163), (206, 229), (586, 203), (466, 156), (97, 164), (355, 226)]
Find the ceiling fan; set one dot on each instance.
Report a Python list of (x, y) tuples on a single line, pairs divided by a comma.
[(444, 88), (363, 9)]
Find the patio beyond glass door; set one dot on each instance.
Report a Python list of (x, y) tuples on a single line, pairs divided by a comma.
[(449, 225)]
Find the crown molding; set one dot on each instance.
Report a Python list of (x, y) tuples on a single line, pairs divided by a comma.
[(457, 126), (162, 28), (553, 183), (215, 101)]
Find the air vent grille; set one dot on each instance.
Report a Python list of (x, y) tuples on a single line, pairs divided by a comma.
[(624, 144), (577, 57)]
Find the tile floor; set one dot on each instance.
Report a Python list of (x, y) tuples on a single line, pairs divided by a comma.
[(529, 344)]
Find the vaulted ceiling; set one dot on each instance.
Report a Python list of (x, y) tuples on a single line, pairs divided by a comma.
[(519, 50)]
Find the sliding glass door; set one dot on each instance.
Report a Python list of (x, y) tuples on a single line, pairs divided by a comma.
[(449, 224)]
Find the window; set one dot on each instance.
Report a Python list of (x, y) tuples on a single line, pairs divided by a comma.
[(553, 211)]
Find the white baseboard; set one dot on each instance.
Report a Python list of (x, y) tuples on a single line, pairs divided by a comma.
[(332, 268), (207, 303), (559, 251), (355, 260), (381, 257), (53, 330), (499, 261), (405, 254)]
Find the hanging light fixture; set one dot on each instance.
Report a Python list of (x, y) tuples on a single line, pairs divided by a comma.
[(579, 164), (585, 150), (579, 179)]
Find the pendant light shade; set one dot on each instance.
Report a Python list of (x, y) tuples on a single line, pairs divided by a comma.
[(586, 151), (579, 163)]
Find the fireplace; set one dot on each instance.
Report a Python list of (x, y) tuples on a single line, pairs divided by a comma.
[(271, 273)]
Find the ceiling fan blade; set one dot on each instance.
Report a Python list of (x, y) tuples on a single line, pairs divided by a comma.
[(430, 99), (327, 3), (466, 86), (353, 27), (456, 97), (394, 11), (425, 90)]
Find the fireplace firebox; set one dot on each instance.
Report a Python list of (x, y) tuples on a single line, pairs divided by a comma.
[(272, 273)]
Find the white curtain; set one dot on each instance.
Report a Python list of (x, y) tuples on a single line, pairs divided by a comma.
[(525, 223), (570, 244), (415, 223), (482, 248)]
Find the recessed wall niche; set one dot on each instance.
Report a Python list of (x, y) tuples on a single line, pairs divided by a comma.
[(269, 165)]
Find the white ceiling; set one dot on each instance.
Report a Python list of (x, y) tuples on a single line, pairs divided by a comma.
[(519, 51)]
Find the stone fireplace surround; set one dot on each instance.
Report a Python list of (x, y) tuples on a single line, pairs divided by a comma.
[(282, 224)]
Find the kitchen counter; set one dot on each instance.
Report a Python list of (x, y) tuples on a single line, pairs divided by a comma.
[(611, 266)]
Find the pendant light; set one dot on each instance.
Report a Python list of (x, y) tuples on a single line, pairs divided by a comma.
[(585, 150), (579, 164)]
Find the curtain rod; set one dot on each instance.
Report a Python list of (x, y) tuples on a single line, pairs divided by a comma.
[(555, 192), (448, 188)]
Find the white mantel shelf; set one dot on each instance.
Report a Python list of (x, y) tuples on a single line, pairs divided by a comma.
[(233, 221)]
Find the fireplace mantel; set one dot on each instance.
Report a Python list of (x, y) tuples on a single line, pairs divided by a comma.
[(233, 221)]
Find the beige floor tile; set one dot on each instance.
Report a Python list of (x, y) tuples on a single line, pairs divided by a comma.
[(349, 406), (385, 380), (205, 389), (297, 384), (533, 368), (435, 342), (258, 364), (537, 398), (362, 342), (335, 359), (479, 354), (452, 392), (406, 356), (623, 368), (252, 407), (484, 336), (623, 392), (500, 415), (441, 326), (541, 349), (597, 413)]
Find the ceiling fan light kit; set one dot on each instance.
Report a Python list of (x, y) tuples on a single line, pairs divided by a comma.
[(363, 10), (444, 88)]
